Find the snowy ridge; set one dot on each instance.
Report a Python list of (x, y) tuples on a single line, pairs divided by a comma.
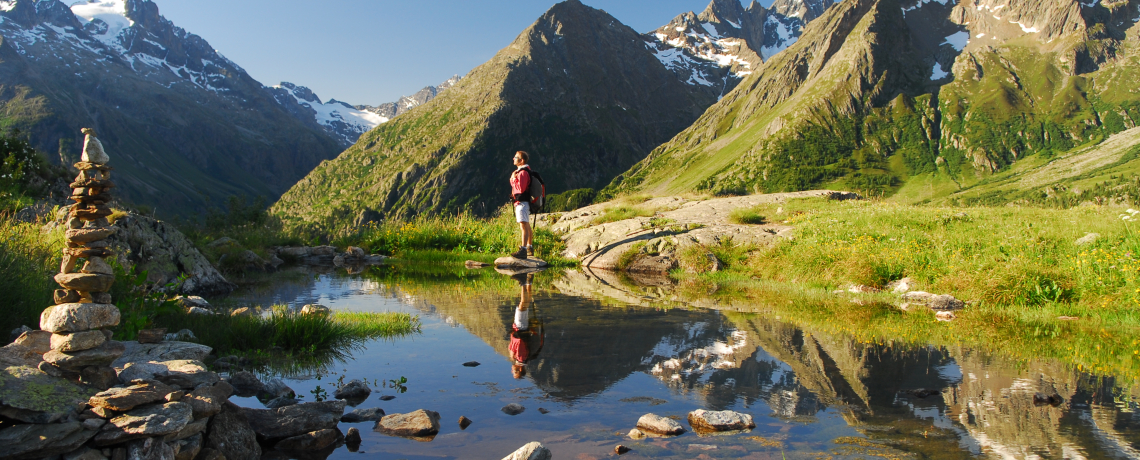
[(345, 121), (102, 35)]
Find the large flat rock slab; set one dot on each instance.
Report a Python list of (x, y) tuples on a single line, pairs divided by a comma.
[(31, 396), (677, 223), (165, 351), (511, 262)]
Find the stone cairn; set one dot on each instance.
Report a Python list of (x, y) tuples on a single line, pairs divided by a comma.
[(81, 345)]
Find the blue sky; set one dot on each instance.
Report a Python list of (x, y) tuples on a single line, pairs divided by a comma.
[(374, 51)]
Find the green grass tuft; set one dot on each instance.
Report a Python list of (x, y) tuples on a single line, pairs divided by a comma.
[(749, 216)]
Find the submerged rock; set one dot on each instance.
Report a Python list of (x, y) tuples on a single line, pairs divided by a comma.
[(275, 389), (725, 420), (531, 451), (513, 409)]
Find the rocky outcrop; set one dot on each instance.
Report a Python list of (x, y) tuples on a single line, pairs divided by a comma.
[(677, 224), (31, 396), (162, 351), (165, 254), (229, 432)]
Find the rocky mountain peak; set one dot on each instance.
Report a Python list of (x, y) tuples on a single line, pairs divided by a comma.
[(996, 21), (723, 11), (300, 92), (30, 13), (807, 10)]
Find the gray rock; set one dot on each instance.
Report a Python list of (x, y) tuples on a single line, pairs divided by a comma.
[(352, 437), (18, 331), (100, 377), (418, 424), (77, 341), (123, 399), (93, 149), (189, 448), (511, 262), (937, 302), (186, 334), (97, 265), (193, 428), (315, 440), (102, 355), (901, 286), (15, 354), (354, 390), (654, 423), (36, 340), (230, 434), (294, 420), (206, 401), (147, 421), (314, 309), (78, 317), (513, 409), (31, 396), (1088, 239), (223, 241), (149, 449), (274, 389), (245, 384), (363, 415), (280, 402), (531, 451), (199, 311), (725, 420), (40, 441), (164, 351), (180, 373), (164, 253), (85, 453)]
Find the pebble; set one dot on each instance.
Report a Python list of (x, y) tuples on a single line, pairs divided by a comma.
[(471, 364), (620, 449), (464, 422), (513, 409)]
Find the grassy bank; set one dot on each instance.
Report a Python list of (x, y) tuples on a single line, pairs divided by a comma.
[(28, 261), (463, 235), (1031, 289)]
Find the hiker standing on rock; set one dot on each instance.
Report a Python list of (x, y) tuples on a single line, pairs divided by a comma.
[(520, 195)]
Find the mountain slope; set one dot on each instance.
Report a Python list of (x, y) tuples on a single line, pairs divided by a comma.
[(877, 95), (578, 90), (185, 127)]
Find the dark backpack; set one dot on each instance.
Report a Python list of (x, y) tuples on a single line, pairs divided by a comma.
[(537, 192)]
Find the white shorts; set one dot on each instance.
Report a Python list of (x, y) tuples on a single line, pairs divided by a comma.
[(522, 319), (522, 212)]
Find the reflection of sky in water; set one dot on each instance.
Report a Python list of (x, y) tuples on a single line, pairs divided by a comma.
[(601, 368)]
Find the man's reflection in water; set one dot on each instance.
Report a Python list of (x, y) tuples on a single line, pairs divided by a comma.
[(527, 335)]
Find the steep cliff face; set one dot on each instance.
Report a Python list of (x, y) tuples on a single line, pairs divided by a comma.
[(876, 93), (185, 125), (578, 90)]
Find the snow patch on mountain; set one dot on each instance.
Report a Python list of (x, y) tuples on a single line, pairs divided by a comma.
[(958, 40), (340, 119), (105, 20), (7, 5)]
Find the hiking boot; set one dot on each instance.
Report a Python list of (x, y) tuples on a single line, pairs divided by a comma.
[(530, 251), (520, 254)]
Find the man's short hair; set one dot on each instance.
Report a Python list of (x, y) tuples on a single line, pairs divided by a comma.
[(525, 156)]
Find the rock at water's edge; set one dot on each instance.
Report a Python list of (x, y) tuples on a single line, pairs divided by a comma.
[(654, 423), (294, 420), (418, 424), (725, 420), (511, 262), (531, 451), (230, 433)]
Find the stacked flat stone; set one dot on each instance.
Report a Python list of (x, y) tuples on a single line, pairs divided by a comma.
[(81, 345)]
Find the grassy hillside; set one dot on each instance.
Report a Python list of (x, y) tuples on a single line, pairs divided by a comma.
[(854, 105), (577, 89)]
